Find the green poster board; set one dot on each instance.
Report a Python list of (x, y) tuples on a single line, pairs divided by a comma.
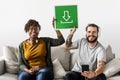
[(66, 16)]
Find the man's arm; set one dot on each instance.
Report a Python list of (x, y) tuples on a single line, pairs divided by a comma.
[(100, 68), (68, 43), (92, 74)]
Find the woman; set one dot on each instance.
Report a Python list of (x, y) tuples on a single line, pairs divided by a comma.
[(35, 53)]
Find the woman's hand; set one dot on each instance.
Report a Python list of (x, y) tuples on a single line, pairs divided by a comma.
[(29, 71), (35, 68), (32, 70), (53, 22)]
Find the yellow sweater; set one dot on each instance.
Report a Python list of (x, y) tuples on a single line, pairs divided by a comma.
[(35, 53)]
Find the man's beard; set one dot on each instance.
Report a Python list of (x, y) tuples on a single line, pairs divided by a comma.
[(92, 41)]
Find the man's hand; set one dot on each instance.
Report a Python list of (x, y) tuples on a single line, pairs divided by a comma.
[(89, 74), (72, 31)]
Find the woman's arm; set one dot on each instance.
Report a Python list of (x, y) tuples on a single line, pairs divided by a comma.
[(58, 41), (21, 61)]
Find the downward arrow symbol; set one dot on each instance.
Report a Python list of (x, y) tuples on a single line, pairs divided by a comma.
[(66, 16)]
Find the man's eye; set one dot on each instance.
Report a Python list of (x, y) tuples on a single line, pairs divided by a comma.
[(88, 31)]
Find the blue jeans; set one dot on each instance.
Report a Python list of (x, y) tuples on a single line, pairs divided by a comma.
[(43, 74)]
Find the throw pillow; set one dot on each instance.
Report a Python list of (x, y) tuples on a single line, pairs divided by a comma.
[(109, 53), (63, 55), (112, 67), (59, 71), (10, 55), (117, 77), (2, 65), (74, 57)]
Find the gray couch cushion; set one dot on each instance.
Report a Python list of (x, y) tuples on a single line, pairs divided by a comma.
[(62, 55), (8, 76), (10, 55)]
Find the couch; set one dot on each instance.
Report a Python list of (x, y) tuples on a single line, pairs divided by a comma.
[(63, 61)]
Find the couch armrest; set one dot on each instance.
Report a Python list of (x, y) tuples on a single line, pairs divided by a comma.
[(2, 65)]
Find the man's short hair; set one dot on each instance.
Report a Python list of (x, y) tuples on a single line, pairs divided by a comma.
[(93, 25)]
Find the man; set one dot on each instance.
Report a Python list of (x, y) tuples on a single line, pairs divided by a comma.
[(91, 52)]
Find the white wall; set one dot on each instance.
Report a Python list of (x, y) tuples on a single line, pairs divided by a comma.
[(15, 13)]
